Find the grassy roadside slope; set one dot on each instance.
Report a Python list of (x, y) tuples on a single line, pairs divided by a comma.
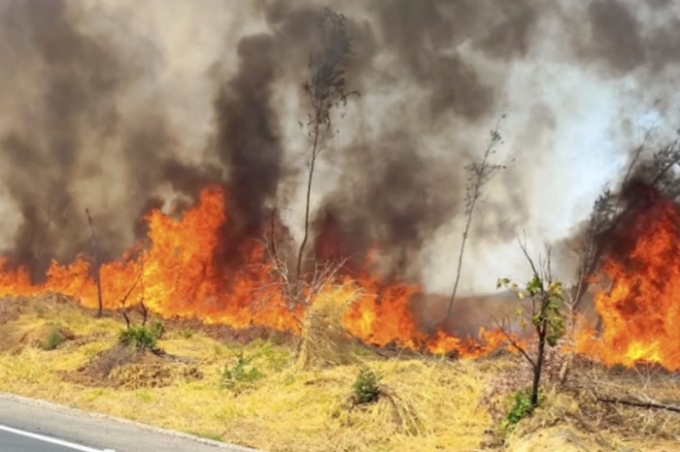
[(433, 404), (49, 344)]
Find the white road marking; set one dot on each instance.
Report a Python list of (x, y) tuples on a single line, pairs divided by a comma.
[(56, 441)]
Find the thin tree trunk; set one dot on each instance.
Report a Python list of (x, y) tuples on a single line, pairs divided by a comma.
[(301, 251), (38, 251), (95, 255), (538, 369), (466, 232)]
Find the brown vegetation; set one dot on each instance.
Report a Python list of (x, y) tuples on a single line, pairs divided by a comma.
[(276, 401)]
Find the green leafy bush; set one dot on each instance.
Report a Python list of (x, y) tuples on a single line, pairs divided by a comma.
[(519, 407), (366, 387), (141, 337), (241, 374), (53, 340)]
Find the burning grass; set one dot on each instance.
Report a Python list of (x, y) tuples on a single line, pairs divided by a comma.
[(423, 403)]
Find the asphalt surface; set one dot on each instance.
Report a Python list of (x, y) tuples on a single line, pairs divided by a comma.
[(11, 442), (28, 425)]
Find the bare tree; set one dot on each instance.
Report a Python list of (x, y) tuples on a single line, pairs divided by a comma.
[(95, 256), (546, 316), (298, 294), (479, 174), (325, 90), (42, 240), (610, 208), (123, 301)]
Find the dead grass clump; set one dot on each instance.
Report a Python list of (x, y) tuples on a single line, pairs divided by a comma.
[(559, 439), (414, 399), (96, 370), (130, 368), (324, 340), (388, 406), (10, 310), (643, 402), (47, 305), (45, 337), (188, 328), (156, 375)]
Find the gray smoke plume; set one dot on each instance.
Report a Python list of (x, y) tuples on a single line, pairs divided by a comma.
[(121, 106)]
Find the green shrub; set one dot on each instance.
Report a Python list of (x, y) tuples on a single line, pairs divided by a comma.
[(366, 387), (53, 340), (140, 337), (519, 407), (240, 375)]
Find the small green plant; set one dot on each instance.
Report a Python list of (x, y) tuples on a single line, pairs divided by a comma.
[(520, 407), (53, 340), (366, 387), (140, 337), (186, 334), (242, 374)]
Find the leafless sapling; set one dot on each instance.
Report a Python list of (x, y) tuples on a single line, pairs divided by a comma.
[(123, 305), (298, 295), (95, 256), (478, 175), (325, 90), (609, 209)]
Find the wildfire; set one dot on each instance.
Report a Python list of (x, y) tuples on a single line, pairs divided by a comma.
[(641, 310), (176, 276)]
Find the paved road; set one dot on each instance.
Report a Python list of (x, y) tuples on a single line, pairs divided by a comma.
[(28, 425), (19, 442)]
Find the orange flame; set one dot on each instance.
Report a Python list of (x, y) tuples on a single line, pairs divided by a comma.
[(641, 311), (179, 280), (640, 314)]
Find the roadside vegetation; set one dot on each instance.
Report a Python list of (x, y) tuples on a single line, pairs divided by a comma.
[(323, 390), (250, 388)]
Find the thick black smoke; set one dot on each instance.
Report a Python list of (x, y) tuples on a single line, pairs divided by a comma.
[(80, 78), (392, 198), (83, 125), (69, 132)]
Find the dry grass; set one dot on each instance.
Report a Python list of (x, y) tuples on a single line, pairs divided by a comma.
[(573, 414), (432, 405), (324, 342), (427, 404)]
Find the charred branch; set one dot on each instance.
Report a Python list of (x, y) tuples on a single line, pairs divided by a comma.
[(95, 256), (651, 405)]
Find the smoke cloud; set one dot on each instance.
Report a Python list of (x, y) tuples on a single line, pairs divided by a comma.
[(121, 106)]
